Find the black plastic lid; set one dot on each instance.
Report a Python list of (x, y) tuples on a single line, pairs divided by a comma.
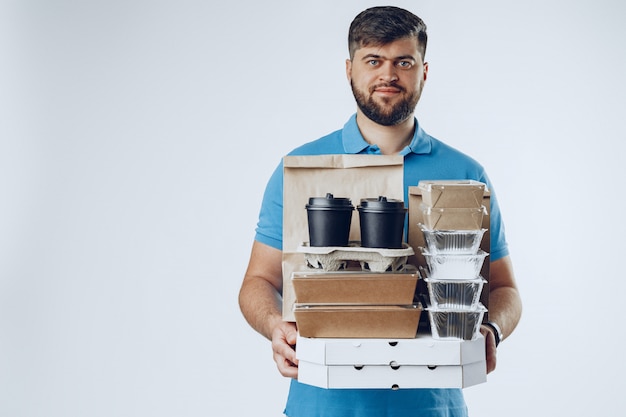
[(330, 201), (382, 204)]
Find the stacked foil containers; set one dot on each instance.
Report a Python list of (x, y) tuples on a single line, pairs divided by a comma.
[(453, 215)]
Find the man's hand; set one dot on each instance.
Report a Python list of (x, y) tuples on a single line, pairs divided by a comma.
[(283, 344), (490, 347), (505, 306), (261, 304)]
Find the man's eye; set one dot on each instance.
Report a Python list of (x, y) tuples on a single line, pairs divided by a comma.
[(373, 62), (405, 64)]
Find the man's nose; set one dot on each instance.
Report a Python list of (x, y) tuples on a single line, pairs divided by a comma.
[(388, 72)]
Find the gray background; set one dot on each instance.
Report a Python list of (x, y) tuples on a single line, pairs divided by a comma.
[(135, 142)]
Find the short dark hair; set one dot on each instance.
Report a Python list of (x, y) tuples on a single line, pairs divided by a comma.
[(385, 24)]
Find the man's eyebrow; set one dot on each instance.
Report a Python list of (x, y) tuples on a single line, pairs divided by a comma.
[(369, 56), (398, 58)]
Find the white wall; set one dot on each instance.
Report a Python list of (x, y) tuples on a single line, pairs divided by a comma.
[(125, 229)]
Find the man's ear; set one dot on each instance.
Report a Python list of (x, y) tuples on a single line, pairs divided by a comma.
[(349, 69)]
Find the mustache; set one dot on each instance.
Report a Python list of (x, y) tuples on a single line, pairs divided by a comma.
[(387, 85)]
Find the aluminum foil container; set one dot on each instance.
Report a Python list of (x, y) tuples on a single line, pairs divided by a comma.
[(453, 241), (456, 324), (454, 294), (454, 266)]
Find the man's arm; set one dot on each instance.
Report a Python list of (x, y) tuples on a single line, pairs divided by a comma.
[(260, 301), (505, 305)]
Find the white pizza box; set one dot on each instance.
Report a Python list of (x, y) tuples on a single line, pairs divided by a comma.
[(392, 376), (422, 350)]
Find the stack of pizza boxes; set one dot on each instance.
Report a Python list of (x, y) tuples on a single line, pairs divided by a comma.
[(359, 309)]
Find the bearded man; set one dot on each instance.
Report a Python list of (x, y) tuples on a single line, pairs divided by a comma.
[(387, 72)]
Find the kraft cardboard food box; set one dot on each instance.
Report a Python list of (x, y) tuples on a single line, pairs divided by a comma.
[(354, 287)]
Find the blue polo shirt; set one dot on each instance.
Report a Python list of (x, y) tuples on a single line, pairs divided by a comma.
[(425, 158)]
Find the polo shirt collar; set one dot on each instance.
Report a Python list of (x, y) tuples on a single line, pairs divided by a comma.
[(353, 141)]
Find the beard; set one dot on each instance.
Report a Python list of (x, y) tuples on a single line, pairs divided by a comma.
[(377, 113)]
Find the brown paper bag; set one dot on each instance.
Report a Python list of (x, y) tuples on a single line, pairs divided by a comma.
[(347, 176)]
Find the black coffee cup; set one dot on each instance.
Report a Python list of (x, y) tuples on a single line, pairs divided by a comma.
[(381, 222), (329, 220)]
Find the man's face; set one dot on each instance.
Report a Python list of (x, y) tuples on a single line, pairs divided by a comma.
[(387, 80)]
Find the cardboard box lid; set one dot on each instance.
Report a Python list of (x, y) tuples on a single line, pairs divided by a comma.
[(452, 193), (392, 377), (422, 350), (352, 287)]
